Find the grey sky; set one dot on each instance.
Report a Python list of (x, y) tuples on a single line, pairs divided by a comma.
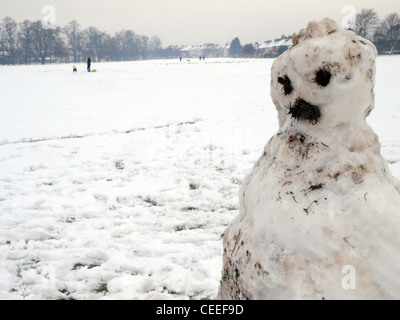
[(194, 21)]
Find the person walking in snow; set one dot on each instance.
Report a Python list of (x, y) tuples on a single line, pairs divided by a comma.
[(89, 63)]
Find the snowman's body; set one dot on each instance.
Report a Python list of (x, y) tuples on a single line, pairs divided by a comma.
[(320, 200)]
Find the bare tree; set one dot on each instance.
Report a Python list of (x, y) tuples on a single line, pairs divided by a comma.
[(39, 41), (155, 46), (143, 47), (94, 43), (89, 42), (26, 39), (2, 41), (44, 41), (33, 41), (107, 51), (170, 52), (126, 42), (248, 50), (367, 21), (74, 36), (389, 30), (101, 49), (54, 42), (59, 47), (9, 34)]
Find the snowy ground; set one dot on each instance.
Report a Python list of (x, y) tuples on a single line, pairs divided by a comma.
[(118, 184)]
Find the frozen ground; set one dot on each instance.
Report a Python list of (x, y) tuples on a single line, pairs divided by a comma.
[(118, 184)]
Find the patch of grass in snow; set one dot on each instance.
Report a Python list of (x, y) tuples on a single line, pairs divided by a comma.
[(67, 295), (69, 298), (78, 266), (193, 186), (89, 266), (198, 295), (236, 181), (186, 209), (70, 220), (151, 201), (231, 208), (120, 165), (19, 271), (171, 292), (102, 289), (113, 208), (183, 227)]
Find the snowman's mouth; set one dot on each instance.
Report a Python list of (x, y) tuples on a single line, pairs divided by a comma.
[(304, 111)]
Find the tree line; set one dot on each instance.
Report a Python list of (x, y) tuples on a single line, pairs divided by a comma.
[(34, 42), (384, 33)]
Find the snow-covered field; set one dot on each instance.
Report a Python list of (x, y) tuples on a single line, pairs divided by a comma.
[(118, 184)]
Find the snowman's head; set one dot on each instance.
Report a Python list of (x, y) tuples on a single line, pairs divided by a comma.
[(327, 76)]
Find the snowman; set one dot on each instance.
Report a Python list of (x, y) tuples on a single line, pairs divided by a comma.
[(320, 212)]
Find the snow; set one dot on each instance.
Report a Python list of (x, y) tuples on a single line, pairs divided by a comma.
[(321, 196), (118, 184)]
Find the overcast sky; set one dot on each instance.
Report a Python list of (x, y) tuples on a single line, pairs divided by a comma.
[(194, 21)]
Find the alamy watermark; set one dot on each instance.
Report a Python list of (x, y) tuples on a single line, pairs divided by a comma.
[(49, 273), (349, 20), (349, 280), (50, 17)]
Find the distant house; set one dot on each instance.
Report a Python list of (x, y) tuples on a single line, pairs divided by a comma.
[(226, 49), (274, 48), (210, 50), (185, 52), (268, 49), (3, 57)]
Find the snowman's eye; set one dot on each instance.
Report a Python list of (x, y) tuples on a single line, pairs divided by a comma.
[(286, 85), (322, 77)]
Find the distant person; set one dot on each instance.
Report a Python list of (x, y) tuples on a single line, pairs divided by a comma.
[(75, 69), (180, 59), (200, 58), (89, 63), (204, 58)]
